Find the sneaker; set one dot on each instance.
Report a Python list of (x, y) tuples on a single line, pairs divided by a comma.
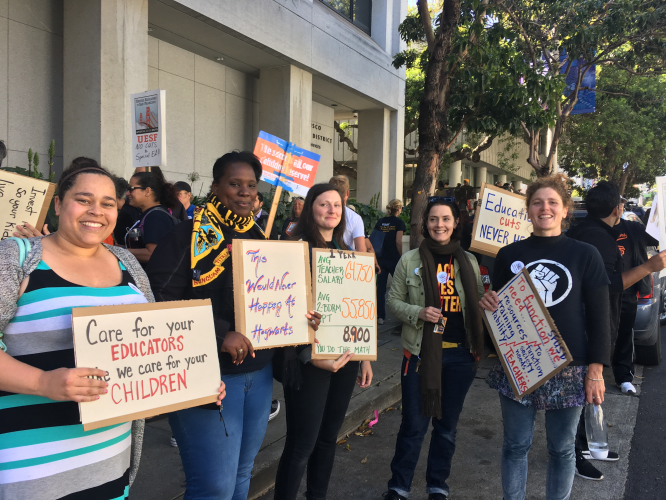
[(380, 321), (586, 470), (173, 442), (438, 496), (275, 409), (612, 456), (393, 495), (628, 388)]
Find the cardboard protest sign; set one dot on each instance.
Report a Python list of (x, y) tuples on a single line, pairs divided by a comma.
[(501, 218), (23, 199), (160, 357), (346, 296), (272, 292), (148, 129), (286, 165), (526, 339)]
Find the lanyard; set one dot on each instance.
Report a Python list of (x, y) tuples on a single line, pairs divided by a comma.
[(441, 299)]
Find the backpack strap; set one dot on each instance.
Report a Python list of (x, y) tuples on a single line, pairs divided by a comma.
[(23, 248)]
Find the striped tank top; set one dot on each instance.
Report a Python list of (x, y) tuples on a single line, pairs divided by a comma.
[(44, 452)]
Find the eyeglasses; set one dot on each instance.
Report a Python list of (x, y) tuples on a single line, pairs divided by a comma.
[(131, 189), (449, 199)]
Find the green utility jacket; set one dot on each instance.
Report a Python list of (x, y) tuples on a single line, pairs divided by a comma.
[(406, 296)]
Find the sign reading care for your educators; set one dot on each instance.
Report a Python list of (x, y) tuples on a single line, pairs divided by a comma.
[(22, 199), (297, 175), (526, 339), (346, 297), (159, 358), (148, 129), (272, 292), (501, 218)]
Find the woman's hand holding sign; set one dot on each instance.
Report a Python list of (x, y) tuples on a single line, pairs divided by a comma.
[(490, 301), (72, 384), (238, 346)]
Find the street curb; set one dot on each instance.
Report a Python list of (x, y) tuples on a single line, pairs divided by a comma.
[(378, 397)]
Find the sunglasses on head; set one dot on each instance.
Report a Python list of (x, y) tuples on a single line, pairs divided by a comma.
[(131, 189), (448, 199)]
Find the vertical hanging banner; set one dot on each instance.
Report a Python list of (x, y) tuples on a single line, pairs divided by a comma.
[(272, 292), (346, 297), (148, 129), (296, 175), (501, 218), (23, 199), (160, 357)]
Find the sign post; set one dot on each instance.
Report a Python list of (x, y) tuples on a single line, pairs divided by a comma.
[(159, 358), (501, 218), (148, 129), (526, 339), (272, 292), (23, 200), (346, 296)]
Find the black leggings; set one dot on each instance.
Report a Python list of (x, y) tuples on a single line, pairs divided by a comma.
[(315, 414)]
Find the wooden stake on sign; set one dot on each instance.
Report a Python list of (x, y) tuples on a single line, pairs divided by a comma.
[(276, 196)]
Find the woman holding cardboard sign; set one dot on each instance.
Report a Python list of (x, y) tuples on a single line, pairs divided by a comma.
[(316, 410), (434, 293), (43, 279), (571, 280), (194, 262)]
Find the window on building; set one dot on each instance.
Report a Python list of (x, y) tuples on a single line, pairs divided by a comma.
[(359, 12)]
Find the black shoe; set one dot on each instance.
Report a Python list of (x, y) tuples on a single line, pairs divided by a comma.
[(393, 495), (438, 496), (586, 470), (275, 409)]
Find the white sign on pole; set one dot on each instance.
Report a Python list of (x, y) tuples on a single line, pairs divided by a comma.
[(148, 129)]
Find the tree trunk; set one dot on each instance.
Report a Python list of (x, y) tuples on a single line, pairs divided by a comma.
[(623, 180), (433, 126)]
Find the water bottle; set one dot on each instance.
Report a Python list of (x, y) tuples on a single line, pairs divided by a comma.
[(597, 433)]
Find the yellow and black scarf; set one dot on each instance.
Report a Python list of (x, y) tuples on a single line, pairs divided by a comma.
[(210, 225)]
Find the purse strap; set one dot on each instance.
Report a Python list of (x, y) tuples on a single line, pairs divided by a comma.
[(23, 247)]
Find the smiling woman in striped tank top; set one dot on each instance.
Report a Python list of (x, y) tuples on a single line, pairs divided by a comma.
[(44, 452)]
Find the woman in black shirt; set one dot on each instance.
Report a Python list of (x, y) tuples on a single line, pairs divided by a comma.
[(316, 410), (291, 221), (571, 279), (388, 256)]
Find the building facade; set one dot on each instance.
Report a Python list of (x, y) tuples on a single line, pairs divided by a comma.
[(229, 68)]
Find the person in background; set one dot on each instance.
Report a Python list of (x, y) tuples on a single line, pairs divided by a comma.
[(354, 228), (441, 189), (193, 263), (261, 216), (393, 228), (184, 193), (154, 199), (570, 277), (459, 195), (466, 235), (468, 194), (316, 410), (435, 292), (290, 222)]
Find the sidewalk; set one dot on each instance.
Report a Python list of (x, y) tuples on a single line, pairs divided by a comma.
[(161, 474)]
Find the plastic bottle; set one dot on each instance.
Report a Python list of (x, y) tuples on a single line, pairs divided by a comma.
[(597, 433)]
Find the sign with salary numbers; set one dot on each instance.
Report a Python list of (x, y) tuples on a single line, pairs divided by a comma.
[(159, 357), (526, 339), (23, 199), (501, 218), (272, 292), (346, 297)]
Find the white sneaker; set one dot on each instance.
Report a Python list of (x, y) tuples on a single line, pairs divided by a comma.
[(380, 321), (173, 442), (628, 388)]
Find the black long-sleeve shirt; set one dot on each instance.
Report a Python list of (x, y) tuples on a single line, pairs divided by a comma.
[(570, 278)]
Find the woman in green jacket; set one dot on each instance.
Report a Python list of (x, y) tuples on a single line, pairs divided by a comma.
[(435, 293)]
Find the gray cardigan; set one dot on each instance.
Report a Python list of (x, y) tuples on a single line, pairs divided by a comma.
[(11, 276)]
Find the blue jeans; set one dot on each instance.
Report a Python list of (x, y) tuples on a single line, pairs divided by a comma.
[(561, 428), (457, 376), (218, 467), (382, 279)]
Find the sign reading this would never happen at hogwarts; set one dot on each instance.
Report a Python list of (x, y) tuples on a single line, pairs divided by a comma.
[(346, 297), (159, 358), (527, 341), (22, 199), (272, 292), (501, 218)]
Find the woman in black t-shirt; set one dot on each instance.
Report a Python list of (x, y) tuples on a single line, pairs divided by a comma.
[(316, 410), (570, 278), (393, 228), (434, 293), (291, 221)]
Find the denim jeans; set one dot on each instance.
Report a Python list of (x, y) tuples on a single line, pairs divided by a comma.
[(218, 467), (382, 279), (561, 428), (457, 376)]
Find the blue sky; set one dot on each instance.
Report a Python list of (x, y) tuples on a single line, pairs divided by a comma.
[(411, 3)]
